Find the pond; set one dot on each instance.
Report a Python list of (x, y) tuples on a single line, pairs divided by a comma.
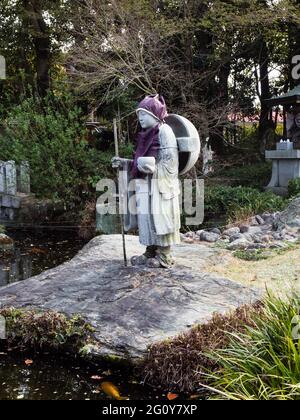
[(37, 251), (47, 376)]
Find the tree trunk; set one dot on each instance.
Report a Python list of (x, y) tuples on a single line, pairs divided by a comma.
[(265, 122), (217, 134), (41, 39)]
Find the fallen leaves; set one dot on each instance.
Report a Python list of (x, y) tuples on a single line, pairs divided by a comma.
[(171, 396), (38, 251)]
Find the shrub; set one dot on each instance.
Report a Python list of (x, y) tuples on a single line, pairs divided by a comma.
[(238, 203), (263, 362), (180, 363), (29, 329), (294, 188), (51, 135), (256, 175)]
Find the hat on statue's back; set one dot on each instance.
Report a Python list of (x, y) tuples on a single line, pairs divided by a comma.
[(154, 105)]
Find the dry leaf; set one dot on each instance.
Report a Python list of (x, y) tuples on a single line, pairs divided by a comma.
[(171, 396), (96, 378), (195, 397), (28, 362)]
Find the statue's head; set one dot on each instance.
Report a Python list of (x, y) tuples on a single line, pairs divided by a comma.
[(151, 111)]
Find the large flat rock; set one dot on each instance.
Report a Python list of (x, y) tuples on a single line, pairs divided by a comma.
[(131, 308)]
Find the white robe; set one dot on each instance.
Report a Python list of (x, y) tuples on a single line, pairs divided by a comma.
[(157, 197)]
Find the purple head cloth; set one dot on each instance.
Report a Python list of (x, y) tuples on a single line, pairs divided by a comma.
[(156, 105), (148, 139)]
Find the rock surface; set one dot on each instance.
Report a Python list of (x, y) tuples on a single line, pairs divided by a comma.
[(289, 217), (209, 237), (6, 243), (269, 230), (131, 308)]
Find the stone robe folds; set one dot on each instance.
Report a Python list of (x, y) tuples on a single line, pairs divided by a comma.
[(153, 202)]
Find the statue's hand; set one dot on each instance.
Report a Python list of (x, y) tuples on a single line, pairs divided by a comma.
[(118, 162)]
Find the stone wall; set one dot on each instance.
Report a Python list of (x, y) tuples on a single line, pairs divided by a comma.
[(14, 183)]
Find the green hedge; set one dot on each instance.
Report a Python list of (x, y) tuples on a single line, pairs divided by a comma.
[(294, 188), (237, 203), (255, 176)]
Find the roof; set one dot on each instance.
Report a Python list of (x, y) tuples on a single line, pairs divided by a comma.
[(289, 98)]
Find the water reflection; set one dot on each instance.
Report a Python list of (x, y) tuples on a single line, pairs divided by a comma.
[(35, 252), (15, 268), (64, 378)]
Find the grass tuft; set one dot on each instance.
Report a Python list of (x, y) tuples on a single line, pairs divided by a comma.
[(263, 362)]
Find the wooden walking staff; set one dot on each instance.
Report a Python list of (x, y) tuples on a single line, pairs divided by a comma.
[(120, 210)]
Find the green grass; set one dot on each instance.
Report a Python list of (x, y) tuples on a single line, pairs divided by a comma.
[(264, 254), (240, 203), (256, 255), (256, 175), (262, 363)]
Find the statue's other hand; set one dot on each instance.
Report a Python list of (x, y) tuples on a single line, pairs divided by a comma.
[(117, 162)]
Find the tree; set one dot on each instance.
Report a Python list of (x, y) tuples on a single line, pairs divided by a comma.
[(32, 35)]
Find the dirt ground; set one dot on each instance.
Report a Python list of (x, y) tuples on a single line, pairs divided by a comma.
[(279, 273)]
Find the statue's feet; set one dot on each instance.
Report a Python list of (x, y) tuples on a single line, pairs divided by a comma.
[(138, 260), (158, 262), (153, 263)]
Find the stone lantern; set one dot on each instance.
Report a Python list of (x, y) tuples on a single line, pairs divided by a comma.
[(286, 157)]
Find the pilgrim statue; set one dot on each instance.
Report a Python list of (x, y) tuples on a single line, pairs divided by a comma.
[(155, 171)]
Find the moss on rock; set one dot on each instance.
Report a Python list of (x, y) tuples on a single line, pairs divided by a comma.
[(6, 243), (40, 330)]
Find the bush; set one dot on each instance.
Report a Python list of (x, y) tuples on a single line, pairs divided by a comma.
[(255, 175), (28, 329), (51, 135), (263, 363), (180, 364), (294, 188), (239, 203)]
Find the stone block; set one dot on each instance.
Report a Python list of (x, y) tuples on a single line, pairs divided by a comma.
[(6, 200), (23, 178), (15, 202), (2, 178), (11, 177)]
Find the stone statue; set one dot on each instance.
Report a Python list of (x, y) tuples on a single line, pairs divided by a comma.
[(155, 169)]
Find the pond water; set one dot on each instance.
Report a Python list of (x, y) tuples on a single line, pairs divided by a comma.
[(37, 251), (48, 376)]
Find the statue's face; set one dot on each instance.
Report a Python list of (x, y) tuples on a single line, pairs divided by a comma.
[(146, 120), (297, 120)]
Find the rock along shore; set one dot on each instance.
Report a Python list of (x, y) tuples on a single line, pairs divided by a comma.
[(131, 308)]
